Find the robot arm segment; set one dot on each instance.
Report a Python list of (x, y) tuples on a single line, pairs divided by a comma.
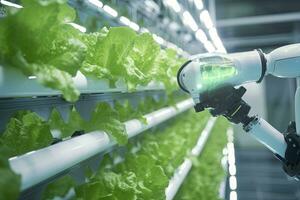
[(211, 80)]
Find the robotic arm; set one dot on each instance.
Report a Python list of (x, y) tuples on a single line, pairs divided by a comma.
[(212, 81)]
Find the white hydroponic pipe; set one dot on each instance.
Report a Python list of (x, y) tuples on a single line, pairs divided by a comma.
[(11, 79), (183, 170), (38, 166)]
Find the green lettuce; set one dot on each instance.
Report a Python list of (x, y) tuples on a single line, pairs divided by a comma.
[(10, 182), (145, 173), (127, 112), (106, 119), (38, 41), (59, 188), (75, 122), (103, 118), (143, 55), (204, 179), (168, 64), (25, 132), (108, 58)]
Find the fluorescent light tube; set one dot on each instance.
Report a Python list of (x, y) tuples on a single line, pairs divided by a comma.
[(145, 30), (232, 170), (158, 39), (174, 5), (134, 26), (233, 195), (205, 18), (125, 20), (216, 40), (7, 3), (96, 3), (110, 11), (78, 27), (201, 36), (189, 20), (198, 4), (232, 183), (209, 46)]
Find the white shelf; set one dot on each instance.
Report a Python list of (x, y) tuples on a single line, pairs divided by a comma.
[(183, 170), (37, 166), (13, 83)]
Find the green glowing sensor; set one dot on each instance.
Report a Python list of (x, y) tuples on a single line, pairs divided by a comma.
[(215, 71)]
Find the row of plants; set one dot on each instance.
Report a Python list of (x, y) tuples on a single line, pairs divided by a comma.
[(204, 180), (26, 131), (39, 41), (147, 165)]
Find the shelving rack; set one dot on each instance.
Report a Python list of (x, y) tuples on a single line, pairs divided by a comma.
[(14, 84), (19, 92), (37, 168)]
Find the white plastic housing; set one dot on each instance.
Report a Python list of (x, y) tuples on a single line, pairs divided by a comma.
[(208, 71), (248, 65), (269, 136), (205, 68), (285, 61)]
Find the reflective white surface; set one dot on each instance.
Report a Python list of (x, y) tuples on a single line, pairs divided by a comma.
[(42, 164)]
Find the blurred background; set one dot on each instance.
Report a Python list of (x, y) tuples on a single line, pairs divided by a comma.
[(265, 24)]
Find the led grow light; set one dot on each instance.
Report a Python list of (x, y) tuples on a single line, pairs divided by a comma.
[(201, 36), (110, 11), (205, 18)]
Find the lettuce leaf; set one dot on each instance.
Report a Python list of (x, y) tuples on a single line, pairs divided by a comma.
[(206, 175), (168, 64), (103, 118), (74, 123), (25, 132), (145, 173), (10, 182), (106, 119), (113, 187), (38, 41), (59, 188), (108, 57), (144, 52), (127, 112), (143, 55)]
